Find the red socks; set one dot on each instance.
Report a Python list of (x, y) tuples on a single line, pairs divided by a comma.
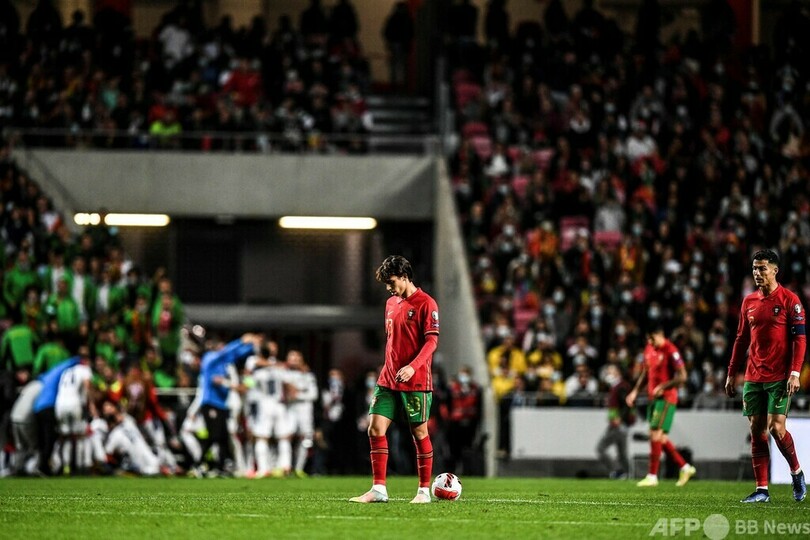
[(424, 460), (379, 458), (785, 445), (760, 458), (655, 457), (673, 454)]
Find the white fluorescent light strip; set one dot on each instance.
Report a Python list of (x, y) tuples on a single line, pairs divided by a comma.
[(327, 222), (123, 220)]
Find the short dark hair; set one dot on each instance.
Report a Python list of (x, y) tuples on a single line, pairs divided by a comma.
[(656, 328), (766, 255), (394, 266)]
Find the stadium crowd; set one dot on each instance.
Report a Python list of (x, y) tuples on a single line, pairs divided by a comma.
[(79, 297), (87, 342), (606, 183), (610, 182), (188, 86)]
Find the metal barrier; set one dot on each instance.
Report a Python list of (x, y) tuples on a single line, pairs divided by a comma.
[(217, 141)]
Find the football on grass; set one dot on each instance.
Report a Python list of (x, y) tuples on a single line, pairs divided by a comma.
[(446, 486)]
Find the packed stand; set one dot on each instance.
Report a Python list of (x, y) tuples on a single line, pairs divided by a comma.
[(74, 295), (188, 86), (87, 346), (89, 342), (608, 183)]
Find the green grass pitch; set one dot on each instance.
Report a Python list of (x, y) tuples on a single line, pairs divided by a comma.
[(514, 508)]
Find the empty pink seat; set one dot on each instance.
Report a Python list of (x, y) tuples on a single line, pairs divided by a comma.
[(609, 239)]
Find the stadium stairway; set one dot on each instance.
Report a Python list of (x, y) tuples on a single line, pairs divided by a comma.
[(401, 124)]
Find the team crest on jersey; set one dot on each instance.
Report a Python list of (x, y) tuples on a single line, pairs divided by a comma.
[(411, 313), (776, 310)]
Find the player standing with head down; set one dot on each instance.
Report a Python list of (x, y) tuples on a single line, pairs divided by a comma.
[(772, 330), (405, 382)]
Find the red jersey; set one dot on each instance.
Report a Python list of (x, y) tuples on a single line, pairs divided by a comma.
[(465, 403), (408, 322), (662, 363), (772, 330)]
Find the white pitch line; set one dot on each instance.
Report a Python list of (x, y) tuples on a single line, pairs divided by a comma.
[(553, 502), (595, 503), (548, 501), (130, 513), (465, 520), (323, 517)]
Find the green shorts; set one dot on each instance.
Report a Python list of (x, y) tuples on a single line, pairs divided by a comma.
[(414, 405), (765, 398), (660, 414)]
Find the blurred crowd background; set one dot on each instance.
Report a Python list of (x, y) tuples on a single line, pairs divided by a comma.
[(606, 182)]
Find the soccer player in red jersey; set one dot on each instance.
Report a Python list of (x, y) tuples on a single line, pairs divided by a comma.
[(664, 370), (405, 383), (772, 330)]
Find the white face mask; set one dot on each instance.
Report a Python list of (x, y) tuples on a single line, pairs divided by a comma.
[(464, 378), (187, 357)]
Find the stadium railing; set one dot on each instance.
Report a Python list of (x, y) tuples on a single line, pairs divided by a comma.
[(219, 141)]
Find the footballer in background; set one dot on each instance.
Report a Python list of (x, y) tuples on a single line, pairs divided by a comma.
[(663, 368)]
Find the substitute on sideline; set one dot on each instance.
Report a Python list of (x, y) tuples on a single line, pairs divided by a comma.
[(405, 383), (772, 330)]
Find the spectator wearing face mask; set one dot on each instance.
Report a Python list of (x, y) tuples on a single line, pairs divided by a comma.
[(464, 419), (581, 387), (507, 358), (710, 397), (718, 343), (581, 352)]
